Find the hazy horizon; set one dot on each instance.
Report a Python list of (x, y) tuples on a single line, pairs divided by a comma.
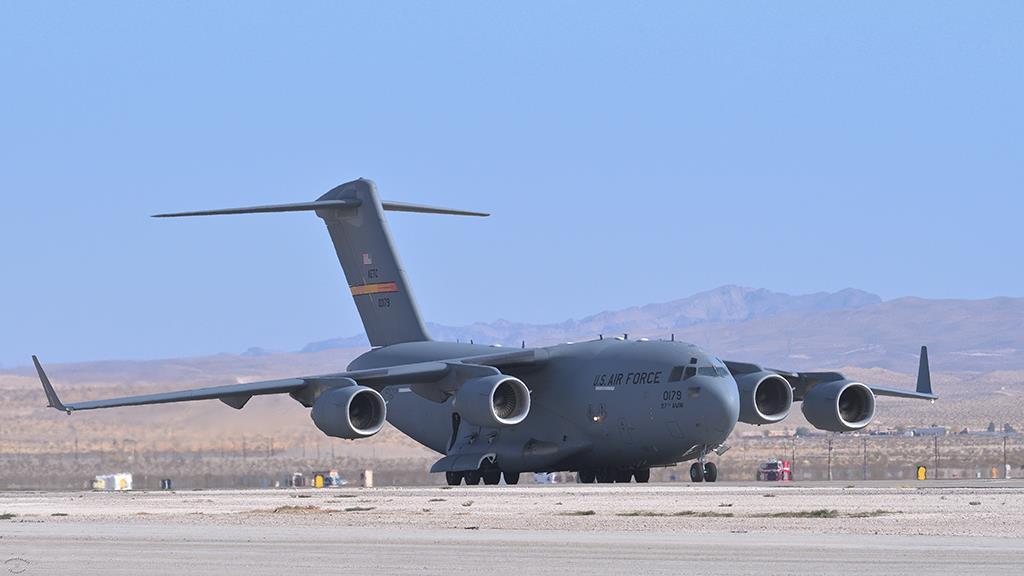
[(712, 308)]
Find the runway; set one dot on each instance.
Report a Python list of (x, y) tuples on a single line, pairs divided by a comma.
[(877, 528)]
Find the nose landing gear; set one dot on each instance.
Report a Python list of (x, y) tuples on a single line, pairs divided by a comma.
[(696, 472), (710, 472), (702, 470)]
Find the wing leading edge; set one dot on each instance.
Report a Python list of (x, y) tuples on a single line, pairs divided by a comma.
[(444, 375), (802, 382)]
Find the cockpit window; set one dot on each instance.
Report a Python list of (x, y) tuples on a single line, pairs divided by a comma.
[(677, 374), (690, 372), (713, 371)]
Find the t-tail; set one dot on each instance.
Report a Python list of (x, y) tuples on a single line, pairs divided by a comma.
[(354, 215)]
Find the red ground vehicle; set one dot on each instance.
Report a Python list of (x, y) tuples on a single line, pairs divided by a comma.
[(775, 471)]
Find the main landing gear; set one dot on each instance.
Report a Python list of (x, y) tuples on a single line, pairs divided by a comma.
[(609, 475), (702, 470), (489, 476)]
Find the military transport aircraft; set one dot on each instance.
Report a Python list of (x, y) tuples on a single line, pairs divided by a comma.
[(609, 409)]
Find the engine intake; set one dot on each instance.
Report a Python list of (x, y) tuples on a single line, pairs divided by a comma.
[(493, 401), (765, 397), (840, 406), (350, 412)]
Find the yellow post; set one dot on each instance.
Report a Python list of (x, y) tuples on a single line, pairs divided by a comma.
[(922, 473)]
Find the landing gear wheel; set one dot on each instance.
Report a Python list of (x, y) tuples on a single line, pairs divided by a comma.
[(453, 478), (623, 476), (696, 473), (586, 476), (491, 477), (605, 476), (710, 472), (511, 478), (472, 477), (643, 475)]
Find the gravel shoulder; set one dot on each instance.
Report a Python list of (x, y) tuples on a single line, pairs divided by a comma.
[(990, 509)]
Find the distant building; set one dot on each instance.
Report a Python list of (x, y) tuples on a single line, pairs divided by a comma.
[(929, 431)]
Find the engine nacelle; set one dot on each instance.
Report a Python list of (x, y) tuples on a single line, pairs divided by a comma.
[(764, 397), (840, 406), (493, 401), (350, 412)]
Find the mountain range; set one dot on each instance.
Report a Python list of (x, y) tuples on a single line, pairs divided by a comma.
[(821, 330)]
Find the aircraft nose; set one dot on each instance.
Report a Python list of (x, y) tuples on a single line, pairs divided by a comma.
[(721, 408)]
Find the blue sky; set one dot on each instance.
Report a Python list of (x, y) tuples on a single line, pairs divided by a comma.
[(630, 153)]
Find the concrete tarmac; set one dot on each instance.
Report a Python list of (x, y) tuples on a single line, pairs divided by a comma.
[(833, 528)]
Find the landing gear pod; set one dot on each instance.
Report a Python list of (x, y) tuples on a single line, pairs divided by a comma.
[(351, 412), (493, 401)]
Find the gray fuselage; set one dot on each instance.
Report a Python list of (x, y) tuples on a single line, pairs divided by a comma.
[(607, 403)]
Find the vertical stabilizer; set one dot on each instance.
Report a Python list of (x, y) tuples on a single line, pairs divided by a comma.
[(372, 270), (355, 219)]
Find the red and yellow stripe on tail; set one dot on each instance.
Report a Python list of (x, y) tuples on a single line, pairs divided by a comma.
[(379, 288)]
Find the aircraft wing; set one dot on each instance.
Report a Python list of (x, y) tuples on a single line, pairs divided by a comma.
[(432, 379), (802, 382)]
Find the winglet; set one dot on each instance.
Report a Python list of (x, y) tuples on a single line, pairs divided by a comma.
[(924, 377), (51, 395)]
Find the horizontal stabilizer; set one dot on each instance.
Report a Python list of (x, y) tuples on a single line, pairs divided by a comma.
[(404, 207), (324, 205), (296, 207)]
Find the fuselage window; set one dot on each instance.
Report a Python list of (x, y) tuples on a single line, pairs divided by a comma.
[(677, 374)]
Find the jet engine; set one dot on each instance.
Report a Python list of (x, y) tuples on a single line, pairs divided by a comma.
[(350, 412), (840, 406), (764, 397), (493, 401)]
